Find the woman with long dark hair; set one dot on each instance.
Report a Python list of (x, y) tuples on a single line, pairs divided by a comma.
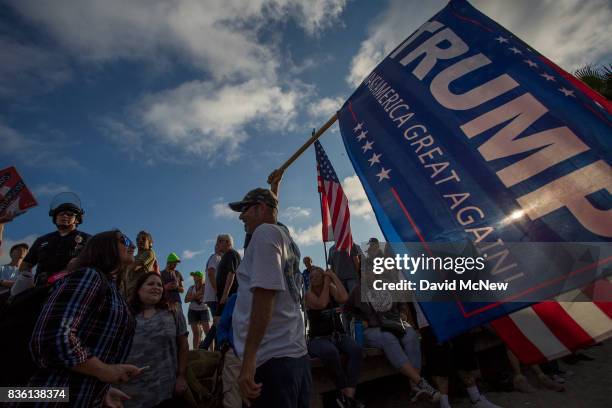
[(160, 347), (85, 329)]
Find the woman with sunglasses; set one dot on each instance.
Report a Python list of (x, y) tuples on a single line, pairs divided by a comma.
[(160, 347), (84, 331)]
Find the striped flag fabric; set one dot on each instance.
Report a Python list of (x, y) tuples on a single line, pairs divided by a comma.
[(550, 330), (336, 217)]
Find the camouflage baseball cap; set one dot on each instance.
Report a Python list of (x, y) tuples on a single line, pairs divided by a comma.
[(258, 195)]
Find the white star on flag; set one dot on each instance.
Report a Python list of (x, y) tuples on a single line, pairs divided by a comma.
[(548, 77), (531, 63), (384, 174), (362, 135), (501, 39), (515, 50), (374, 159), (358, 127), (567, 92), (367, 146)]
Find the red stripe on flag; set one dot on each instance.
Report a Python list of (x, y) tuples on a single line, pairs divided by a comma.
[(562, 325), (601, 293), (516, 341), (605, 307), (345, 231)]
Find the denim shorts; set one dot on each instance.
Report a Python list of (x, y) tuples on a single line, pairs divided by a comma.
[(198, 316)]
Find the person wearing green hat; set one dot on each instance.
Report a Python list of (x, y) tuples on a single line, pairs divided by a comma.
[(173, 282), (198, 315)]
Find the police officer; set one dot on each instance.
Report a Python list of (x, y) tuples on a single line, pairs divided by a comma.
[(52, 252)]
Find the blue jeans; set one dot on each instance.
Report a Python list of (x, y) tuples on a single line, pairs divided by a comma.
[(397, 351), (286, 383), (328, 351)]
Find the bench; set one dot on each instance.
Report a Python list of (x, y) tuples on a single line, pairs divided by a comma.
[(375, 365)]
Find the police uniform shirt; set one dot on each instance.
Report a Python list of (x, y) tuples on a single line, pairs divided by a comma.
[(52, 252)]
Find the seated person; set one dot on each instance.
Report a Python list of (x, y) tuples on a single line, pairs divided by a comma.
[(386, 328), (456, 354), (327, 334)]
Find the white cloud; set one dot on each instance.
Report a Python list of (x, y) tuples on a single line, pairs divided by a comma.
[(569, 32), (188, 254), (202, 119), (324, 108), (49, 189), (386, 33), (291, 213), (307, 236), (217, 36), (358, 200), (221, 210), (245, 70), (7, 243)]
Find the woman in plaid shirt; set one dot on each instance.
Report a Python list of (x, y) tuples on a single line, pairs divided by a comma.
[(85, 330)]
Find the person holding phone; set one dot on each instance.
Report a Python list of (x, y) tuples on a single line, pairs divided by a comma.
[(160, 348)]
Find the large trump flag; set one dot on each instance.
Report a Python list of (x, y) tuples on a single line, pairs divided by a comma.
[(465, 133)]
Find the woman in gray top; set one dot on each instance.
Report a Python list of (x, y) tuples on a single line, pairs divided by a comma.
[(160, 347)]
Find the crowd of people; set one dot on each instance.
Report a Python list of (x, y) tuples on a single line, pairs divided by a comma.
[(108, 323)]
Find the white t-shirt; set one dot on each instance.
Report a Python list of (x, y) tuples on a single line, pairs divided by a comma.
[(194, 305), (263, 267), (9, 273), (210, 294)]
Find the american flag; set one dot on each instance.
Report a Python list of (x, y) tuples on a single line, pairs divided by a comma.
[(334, 204)]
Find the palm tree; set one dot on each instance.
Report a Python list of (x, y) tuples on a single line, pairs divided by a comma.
[(598, 78)]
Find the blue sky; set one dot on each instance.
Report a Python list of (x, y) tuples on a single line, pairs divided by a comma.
[(156, 113)]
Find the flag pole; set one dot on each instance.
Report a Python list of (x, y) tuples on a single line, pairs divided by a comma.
[(315, 136), (324, 244)]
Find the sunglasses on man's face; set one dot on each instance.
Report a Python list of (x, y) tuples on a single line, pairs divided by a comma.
[(126, 241), (248, 207), (66, 214)]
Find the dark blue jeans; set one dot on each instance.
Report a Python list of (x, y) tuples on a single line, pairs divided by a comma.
[(286, 383), (329, 349)]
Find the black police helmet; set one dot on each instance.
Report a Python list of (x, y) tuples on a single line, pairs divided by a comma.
[(66, 202)]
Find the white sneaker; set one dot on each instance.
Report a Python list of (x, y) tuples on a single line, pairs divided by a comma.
[(423, 387), (484, 403)]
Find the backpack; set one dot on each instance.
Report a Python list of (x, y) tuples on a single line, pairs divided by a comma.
[(17, 320)]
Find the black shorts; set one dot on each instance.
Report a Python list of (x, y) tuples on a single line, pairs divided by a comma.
[(198, 316)]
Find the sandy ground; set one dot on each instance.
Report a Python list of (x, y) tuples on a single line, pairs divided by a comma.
[(590, 386)]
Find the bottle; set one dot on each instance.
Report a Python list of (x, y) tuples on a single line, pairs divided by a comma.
[(358, 331)]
